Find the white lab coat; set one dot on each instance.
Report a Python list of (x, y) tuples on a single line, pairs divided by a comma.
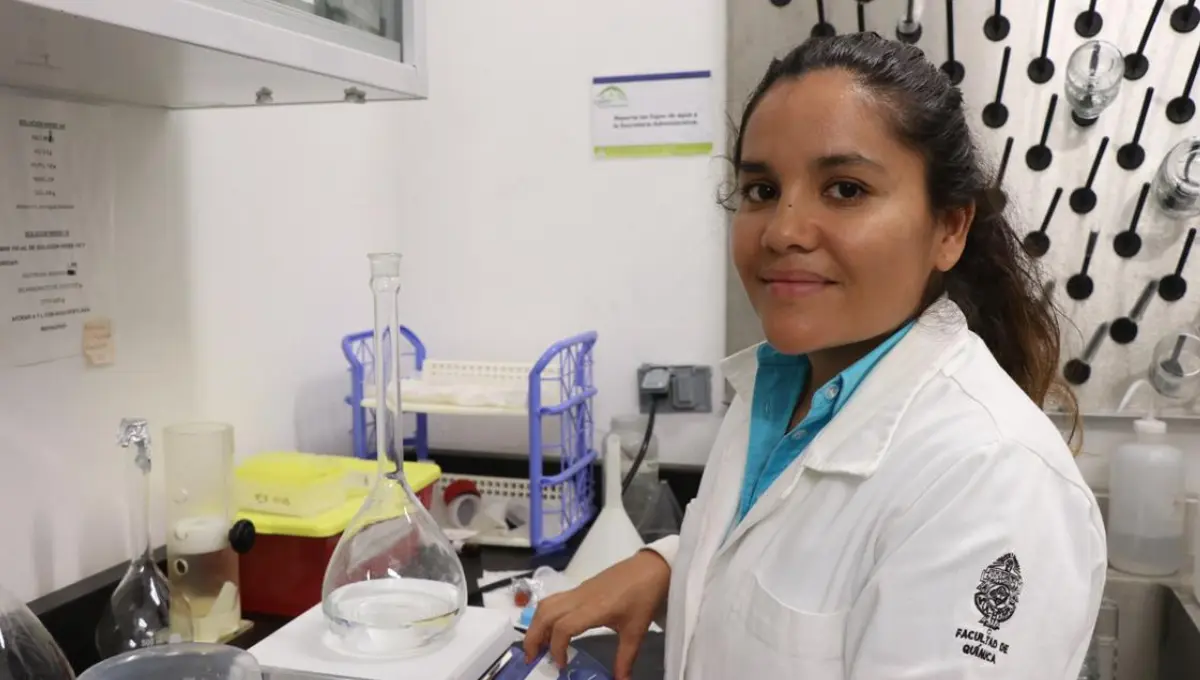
[(936, 529)]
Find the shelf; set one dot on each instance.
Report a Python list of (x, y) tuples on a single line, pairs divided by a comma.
[(182, 54), (477, 388), (411, 406)]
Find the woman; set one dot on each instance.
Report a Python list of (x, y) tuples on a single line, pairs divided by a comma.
[(886, 499)]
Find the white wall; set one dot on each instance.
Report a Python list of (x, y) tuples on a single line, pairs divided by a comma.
[(62, 493), (241, 237), (238, 261), (515, 237), (286, 205)]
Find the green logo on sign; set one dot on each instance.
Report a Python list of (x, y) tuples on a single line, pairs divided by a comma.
[(611, 97)]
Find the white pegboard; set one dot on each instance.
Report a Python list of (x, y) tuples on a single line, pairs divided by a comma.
[(759, 31)]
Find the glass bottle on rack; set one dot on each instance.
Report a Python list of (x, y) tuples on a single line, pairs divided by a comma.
[(1094, 74), (1177, 183), (138, 613), (1174, 370), (908, 26), (394, 583)]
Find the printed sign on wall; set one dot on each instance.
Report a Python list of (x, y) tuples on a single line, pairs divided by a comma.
[(56, 206), (658, 114)]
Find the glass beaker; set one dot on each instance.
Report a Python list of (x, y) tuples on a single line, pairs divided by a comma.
[(27, 650), (201, 562), (1177, 183), (1094, 74), (193, 661), (138, 613), (1174, 369), (394, 583)]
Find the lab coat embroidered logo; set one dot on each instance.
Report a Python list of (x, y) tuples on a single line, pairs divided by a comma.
[(998, 591), (996, 599)]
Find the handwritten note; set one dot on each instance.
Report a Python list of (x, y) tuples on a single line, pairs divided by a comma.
[(98, 347)]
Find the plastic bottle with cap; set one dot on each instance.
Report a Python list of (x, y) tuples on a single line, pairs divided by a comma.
[(1147, 500)]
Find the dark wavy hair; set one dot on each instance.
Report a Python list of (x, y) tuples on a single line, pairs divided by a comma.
[(995, 283)]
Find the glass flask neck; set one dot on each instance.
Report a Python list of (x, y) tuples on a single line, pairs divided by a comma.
[(141, 518), (385, 271), (389, 420), (135, 433)]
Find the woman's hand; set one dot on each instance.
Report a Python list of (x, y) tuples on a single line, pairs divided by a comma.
[(623, 597)]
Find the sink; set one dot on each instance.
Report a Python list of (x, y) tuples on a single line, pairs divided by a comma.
[(1158, 621)]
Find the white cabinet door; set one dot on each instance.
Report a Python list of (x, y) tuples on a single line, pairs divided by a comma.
[(214, 53)]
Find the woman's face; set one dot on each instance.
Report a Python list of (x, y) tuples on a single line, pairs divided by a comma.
[(834, 237)]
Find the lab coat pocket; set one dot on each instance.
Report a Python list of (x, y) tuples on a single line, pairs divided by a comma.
[(789, 642)]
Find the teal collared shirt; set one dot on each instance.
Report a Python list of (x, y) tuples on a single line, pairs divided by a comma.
[(777, 386)]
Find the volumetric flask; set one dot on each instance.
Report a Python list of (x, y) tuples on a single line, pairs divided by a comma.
[(1175, 366), (192, 660), (1094, 74), (139, 612), (27, 651), (1177, 184), (394, 584)]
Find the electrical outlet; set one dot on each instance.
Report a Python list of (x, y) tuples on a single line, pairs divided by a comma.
[(689, 389)]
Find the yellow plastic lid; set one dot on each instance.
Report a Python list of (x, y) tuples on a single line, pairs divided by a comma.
[(290, 467), (335, 520)]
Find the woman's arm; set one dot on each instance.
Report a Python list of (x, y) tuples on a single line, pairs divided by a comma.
[(995, 571)]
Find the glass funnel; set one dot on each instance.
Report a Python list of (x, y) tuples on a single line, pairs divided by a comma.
[(394, 584), (1094, 74), (139, 612), (1177, 184), (1175, 366), (27, 651)]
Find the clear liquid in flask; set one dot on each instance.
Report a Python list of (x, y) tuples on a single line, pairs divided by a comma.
[(386, 616)]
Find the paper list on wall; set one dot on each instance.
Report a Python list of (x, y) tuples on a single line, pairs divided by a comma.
[(54, 198)]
